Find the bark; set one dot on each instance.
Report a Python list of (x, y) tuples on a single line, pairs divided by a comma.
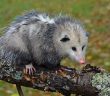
[(62, 79)]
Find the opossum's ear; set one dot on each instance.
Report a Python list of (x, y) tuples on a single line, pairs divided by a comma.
[(87, 34), (65, 39)]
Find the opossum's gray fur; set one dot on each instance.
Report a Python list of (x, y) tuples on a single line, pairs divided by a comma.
[(29, 39)]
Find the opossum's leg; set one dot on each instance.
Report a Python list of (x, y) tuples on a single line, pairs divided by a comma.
[(29, 69)]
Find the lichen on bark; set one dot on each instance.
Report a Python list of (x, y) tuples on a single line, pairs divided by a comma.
[(102, 82)]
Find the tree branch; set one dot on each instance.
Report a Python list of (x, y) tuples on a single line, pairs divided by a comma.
[(86, 82)]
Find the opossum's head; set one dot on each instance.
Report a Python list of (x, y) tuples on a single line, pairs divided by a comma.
[(71, 41)]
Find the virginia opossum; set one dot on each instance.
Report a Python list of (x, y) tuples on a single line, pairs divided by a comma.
[(36, 39)]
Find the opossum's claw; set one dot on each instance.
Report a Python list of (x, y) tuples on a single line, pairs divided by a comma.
[(29, 69)]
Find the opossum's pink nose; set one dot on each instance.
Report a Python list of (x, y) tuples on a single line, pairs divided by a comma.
[(82, 61)]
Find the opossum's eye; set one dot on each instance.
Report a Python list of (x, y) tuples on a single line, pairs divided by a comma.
[(74, 48), (83, 47), (65, 39)]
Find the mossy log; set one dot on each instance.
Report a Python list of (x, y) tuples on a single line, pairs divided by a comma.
[(90, 81)]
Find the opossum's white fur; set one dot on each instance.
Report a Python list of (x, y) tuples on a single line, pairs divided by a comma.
[(36, 38), (45, 19)]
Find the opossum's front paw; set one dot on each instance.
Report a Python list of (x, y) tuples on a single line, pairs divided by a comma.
[(29, 69)]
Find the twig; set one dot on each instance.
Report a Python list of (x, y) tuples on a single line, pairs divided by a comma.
[(19, 89)]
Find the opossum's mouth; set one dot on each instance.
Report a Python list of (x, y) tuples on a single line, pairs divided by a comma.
[(80, 61)]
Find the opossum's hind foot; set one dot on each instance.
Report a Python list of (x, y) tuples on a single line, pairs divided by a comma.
[(29, 69)]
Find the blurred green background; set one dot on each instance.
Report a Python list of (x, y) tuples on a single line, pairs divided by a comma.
[(95, 14)]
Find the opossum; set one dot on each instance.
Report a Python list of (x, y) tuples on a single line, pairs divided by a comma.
[(36, 39)]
